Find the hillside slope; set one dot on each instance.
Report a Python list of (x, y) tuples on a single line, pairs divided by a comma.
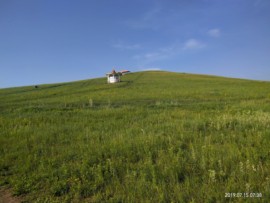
[(156, 136)]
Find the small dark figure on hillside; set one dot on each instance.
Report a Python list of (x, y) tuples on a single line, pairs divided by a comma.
[(36, 86)]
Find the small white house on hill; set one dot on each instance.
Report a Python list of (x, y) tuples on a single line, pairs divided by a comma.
[(113, 77)]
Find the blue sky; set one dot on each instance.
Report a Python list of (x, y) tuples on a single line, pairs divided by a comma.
[(49, 41)]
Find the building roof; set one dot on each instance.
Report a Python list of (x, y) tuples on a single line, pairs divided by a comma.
[(114, 73), (124, 71)]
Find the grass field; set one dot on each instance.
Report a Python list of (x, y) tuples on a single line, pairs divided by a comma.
[(154, 137)]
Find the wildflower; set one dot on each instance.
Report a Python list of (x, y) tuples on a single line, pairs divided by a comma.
[(247, 165), (241, 167), (193, 155), (212, 175), (219, 163), (247, 187)]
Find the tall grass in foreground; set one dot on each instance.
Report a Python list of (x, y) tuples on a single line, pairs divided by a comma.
[(155, 137)]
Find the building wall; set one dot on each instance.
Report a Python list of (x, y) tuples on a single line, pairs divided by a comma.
[(113, 79)]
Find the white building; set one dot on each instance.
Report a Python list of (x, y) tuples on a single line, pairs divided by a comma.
[(113, 77)]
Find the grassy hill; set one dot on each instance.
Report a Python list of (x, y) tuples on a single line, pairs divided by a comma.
[(154, 137)]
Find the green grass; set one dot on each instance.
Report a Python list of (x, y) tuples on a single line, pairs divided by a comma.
[(154, 137)]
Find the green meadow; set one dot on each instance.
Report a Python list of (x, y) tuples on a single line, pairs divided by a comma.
[(154, 137)]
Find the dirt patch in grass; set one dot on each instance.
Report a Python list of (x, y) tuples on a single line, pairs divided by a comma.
[(6, 197)]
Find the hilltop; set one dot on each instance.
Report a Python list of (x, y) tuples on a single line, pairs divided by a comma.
[(135, 89), (156, 136)]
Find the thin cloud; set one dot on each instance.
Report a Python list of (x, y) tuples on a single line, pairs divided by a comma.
[(168, 52), (121, 45), (147, 20), (159, 54), (257, 2), (151, 69), (214, 32), (192, 44)]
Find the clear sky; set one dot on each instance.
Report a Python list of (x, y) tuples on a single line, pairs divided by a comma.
[(49, 41)]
